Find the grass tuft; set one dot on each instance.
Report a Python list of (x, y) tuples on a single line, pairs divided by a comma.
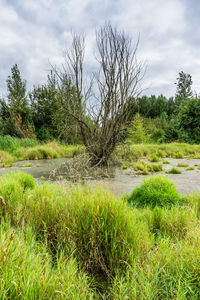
[(155, 191), (174, 170)]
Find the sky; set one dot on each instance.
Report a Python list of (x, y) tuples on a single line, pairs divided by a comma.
[(36, 33)]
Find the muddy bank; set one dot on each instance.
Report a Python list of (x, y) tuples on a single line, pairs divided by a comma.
[(123, 181)]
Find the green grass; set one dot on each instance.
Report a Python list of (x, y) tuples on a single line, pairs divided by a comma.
[(165, 162), (174, 170), (155, 191), (84, 243), (10, 144), (172, 150), (144, 168), (15, 149), (191, 168), (154, 158)]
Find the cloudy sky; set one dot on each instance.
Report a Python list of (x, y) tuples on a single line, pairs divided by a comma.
[(34, 33)]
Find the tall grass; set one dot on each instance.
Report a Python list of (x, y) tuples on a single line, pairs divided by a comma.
[(174, 150), (9, 144), (84, 243), (15, 149), (27, 271)]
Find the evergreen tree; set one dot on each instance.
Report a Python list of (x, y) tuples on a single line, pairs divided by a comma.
[(183, 90), (15, 112)]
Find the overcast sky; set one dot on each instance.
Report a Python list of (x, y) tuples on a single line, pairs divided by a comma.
[(36, 32)]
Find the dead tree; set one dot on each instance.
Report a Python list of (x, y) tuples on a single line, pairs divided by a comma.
[(103, 105)]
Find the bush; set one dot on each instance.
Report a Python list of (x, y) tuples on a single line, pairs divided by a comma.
[(155, 191)]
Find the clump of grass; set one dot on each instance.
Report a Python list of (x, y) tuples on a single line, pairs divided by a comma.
[(26, 165), (6, 159), (154, 158), (141, 168), (37, 165), (155, 191), (165, 162), (144, 168), (182, 164), (174, 170), (191, 168), (101, 229), (125, 165)]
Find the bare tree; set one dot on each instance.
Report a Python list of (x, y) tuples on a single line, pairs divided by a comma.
[(103, 107)]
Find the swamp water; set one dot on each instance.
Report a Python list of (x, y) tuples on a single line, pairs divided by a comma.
[(120, 181)]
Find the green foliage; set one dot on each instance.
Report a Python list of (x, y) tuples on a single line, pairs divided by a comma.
[(183, 91), (49, 104), (155, 191), (189, 118), (15, 112), (43, 134), (136, 131)]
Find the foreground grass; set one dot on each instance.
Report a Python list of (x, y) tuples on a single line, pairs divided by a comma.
[(86, 244)]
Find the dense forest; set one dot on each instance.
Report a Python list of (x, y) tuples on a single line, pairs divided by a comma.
[(41, 112)]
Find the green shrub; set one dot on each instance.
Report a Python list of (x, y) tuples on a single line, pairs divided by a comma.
[(174, 171), (155, 191)]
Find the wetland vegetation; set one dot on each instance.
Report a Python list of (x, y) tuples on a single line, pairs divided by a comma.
[(80, 241)]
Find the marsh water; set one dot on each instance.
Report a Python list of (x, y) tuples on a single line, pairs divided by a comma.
[(121, 181)]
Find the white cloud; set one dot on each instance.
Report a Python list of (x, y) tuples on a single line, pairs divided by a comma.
[(34, 32)]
